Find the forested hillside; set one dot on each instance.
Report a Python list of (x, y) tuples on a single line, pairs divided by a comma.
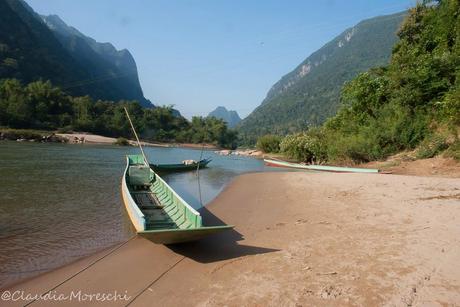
[(30, 51), (309, 94), (412, 103)]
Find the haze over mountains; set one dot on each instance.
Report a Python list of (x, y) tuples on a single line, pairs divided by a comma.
[(309, 94), (230, 117), (44, 47)]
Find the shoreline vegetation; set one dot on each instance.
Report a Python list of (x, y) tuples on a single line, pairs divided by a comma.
[(43, 107), (40, 136), (413, 103), (404, 163), (30, 135)]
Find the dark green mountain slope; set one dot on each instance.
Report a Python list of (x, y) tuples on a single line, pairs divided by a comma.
[(102, 60), (230, 117), (309, 94), (29, 51)]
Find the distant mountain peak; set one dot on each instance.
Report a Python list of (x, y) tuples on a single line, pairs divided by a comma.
[(102, 58), (230, 117), (221, 108)]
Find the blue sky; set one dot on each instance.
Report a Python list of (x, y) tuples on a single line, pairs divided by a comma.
[(198, 55)]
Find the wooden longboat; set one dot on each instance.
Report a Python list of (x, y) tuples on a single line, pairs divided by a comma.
[(324, 168), (179, 167), (157, 212)]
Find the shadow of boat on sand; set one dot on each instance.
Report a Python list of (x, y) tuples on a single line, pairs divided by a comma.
[(218, 247)]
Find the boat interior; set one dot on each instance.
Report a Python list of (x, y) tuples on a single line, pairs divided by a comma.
[(155, 200)]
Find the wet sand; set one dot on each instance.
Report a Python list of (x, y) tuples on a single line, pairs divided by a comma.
[(299, 239)]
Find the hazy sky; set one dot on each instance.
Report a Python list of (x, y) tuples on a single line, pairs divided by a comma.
[(198, 55)]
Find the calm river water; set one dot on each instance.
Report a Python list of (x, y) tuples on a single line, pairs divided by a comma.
[(61, 202)]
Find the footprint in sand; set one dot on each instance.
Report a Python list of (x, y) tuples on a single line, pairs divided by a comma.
[(301, 221)]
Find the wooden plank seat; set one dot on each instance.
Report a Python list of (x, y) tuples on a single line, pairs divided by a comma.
[(147, 201)]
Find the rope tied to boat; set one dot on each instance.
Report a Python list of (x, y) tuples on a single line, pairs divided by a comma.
[(80, 271), (155, 280), (198, 167), (198, 175)]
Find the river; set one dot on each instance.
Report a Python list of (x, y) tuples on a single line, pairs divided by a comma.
[(61, 202)]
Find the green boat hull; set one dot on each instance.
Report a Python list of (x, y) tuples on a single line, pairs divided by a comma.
[(324, 168), (174, 236), (180, 167), (156, 211)]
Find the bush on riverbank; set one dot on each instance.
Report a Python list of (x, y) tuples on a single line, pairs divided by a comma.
[(432, 146), (121, 142), (453, 151), (30, 135), (307, 146), (269, 143), (15, 134)]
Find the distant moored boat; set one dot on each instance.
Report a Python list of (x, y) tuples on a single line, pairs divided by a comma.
[(324, 168), (179, 167)]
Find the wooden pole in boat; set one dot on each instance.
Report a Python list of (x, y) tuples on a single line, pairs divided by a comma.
[(137, 138)]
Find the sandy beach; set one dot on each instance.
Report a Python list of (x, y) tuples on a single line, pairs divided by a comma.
[(88, 138), (300, 239)]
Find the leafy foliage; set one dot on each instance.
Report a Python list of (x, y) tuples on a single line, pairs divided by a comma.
[(40, 105), (121, 141), (27, 134), (269, 143), (402, 105), (431, 146), (307, 146), (454, 151)]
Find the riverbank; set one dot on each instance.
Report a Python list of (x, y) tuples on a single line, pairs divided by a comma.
[(404, 164), (401, 164), (300, 239), (103, 140), (23, 135), (242, 152)]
